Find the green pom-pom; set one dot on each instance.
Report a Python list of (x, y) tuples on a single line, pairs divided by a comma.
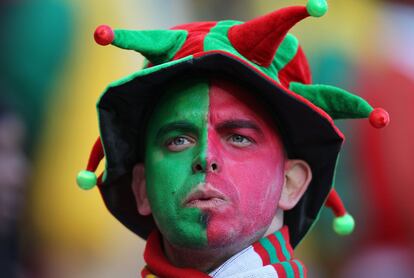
[(86, 179), (344, 225), (317, 8)]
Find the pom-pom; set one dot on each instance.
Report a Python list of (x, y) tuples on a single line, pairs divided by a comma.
[(86, 179), (104, 35), (379, 118), (344, 225), (317, 8)]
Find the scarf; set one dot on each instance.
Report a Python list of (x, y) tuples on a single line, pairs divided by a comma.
[(271, 256)]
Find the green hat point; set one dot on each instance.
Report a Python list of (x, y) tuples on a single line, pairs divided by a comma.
[(158, 46), (317, 8), (86, 179), (344, 225), (338, 103)]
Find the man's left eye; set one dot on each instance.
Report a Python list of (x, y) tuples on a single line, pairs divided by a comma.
[(239, 140)]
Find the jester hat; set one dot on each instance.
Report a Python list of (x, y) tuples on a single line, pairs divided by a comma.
[(260, 54)]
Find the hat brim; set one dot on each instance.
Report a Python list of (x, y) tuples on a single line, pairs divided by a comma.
[(307, 131)]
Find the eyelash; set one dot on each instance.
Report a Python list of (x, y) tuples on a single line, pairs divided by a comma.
[(172, 145), (251, 141), (170, 141)]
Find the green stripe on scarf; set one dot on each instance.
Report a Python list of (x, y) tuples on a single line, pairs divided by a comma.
[(289, 270), (270, 249), (282, 243)]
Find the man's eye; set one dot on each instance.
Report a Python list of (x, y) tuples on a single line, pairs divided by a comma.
[(239, 140), (179, 143)]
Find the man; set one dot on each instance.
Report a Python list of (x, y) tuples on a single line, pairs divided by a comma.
[(220, 152), (208, 180)]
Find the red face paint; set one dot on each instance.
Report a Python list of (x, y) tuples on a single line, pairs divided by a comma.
[(245, 161)]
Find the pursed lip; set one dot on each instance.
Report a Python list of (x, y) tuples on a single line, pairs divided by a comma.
[(205, 196)]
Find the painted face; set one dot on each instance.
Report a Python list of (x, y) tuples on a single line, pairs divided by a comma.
[(214, 165)]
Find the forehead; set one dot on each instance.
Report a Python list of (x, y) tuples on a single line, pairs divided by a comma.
[(184, 96), (230, 100), (218, 98)]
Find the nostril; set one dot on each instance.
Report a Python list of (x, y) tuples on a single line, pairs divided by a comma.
[(198, 168), (214, 167)]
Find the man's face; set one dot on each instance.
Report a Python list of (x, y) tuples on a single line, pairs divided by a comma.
[(214, 165)]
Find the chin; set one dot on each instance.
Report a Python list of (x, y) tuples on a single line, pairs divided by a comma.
[(222, 234), (188, 232), (185, 239)]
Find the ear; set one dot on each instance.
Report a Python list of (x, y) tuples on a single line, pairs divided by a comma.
[(298, 175), (139, 187)]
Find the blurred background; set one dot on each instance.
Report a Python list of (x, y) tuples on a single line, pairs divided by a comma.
[(52, 74)]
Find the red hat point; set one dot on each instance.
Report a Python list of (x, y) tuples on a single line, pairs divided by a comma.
[(104, 35), (379, 118)]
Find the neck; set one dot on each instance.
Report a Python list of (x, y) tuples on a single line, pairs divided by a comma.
[(204, 260), (277, 223)]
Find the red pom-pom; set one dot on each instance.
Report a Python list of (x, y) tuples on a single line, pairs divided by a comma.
[(104, 35), (379, 118)]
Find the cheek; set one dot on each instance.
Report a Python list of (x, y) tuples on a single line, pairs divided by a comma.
[(258, 176), (257, 168), (166, 178), (168, 182), (256, 182)]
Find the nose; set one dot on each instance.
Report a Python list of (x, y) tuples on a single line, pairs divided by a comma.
[(201, 165), (209, 159)]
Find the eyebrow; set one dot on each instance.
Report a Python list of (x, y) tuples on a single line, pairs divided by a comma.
[(177, 126), (235, 124)]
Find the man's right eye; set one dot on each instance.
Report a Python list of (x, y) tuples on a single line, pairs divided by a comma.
[(180, 143)]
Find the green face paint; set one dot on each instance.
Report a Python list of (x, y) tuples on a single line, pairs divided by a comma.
[(176, 137)]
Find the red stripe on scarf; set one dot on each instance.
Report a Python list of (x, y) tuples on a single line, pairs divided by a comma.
[(276, 244), (261, 251), (280, 270), (286, 236), (295, 269)]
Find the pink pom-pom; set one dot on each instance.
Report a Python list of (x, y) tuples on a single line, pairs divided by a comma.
[(379, 118), (104, 35)]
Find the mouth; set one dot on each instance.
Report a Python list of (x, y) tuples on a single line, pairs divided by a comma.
[(205, 196)]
